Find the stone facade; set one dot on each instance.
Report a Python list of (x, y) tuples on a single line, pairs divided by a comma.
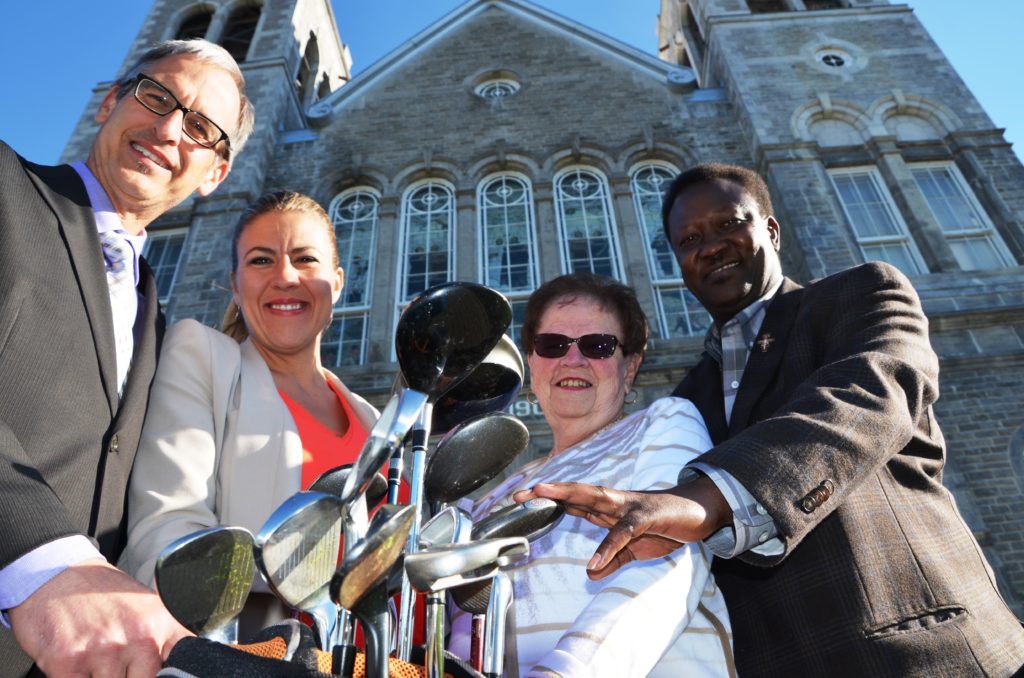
[(808, 94)]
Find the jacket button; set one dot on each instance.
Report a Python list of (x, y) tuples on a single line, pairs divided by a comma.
[(113, 447), (807, 504)]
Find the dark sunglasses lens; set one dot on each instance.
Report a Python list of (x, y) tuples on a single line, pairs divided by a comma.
[(551, 345), (598, 346)]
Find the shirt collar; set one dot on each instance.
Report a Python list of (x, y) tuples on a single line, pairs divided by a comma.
[(105, 214), (713, 338)]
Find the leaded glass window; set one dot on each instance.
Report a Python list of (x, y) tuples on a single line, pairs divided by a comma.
[(429, 220), (586, 224), (679, 312)]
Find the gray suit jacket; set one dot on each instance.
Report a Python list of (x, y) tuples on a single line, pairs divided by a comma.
[(832, 432), (67, 440)]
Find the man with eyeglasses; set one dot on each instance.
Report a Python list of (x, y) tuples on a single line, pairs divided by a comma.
[(80, 331), (837, 548)]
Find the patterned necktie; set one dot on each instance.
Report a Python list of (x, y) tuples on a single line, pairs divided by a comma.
[(117, 255)]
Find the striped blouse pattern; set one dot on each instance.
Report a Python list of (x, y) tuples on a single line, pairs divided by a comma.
[(661, 618)]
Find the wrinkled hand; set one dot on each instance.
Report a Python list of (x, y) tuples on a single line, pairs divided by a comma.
[(642, 525), (94, 620)]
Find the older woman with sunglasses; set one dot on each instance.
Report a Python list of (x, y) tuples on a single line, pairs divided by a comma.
[(585, 336)]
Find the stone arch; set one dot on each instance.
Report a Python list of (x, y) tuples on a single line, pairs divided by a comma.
[(342, 180), (580, 154), (181, 19), (912, 117), (637, 153), (832, 122), (510, 163), (441, 170)]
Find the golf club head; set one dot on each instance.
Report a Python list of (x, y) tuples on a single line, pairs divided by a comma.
[(450, 525), (297, 551), (473, 453), (332, 481), (387, 434), (371, 559), (204, 578), (531, 519), (443, 567), (447, 331), (490, 387)]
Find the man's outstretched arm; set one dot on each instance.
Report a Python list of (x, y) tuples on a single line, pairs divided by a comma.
[(642, 525)]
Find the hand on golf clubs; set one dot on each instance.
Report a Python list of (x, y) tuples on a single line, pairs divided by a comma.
[(94, 620), (641, 525)]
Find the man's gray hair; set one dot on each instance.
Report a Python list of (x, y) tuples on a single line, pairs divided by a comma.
[(208, 53)]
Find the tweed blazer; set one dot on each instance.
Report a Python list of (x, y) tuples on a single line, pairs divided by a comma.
[(67, 439), (219, 446), (833, 433)]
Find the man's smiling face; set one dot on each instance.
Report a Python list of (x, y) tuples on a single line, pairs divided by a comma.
[(728, 250)]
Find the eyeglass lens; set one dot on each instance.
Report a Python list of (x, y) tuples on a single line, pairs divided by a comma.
[(159, 99), (593, 346)]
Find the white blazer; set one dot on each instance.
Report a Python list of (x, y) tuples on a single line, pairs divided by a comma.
[(219, 446)]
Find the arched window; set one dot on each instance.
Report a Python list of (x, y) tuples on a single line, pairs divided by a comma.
[(239, 30), (679, 312), (354, 214), (428, 225), (308, 66), (586, 225), (195, 25), (508, 254)]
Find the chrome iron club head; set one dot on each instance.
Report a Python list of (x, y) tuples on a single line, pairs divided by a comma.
[(297, 551), (204, 579), (443, 567)]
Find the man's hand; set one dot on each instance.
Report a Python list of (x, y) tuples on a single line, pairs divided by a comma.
[(643, 525), (94, 620)]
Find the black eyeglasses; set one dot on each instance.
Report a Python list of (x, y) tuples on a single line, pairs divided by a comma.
[(594, 346), (197, 126)]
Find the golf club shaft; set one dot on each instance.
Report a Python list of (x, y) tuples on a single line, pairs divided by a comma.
[(406, 619), (435, 635), (494, 627), (395, 468)]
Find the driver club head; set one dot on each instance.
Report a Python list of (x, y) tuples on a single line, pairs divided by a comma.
[(490, 387), (443, 567), (297, 550), (447, 331), (531, 519), (204, 579), (369, 562), (473, 453), (332, 482), (387, 434)]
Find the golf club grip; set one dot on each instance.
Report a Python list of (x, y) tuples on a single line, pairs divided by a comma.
[(343, 662), (395, 468), (476, 643)]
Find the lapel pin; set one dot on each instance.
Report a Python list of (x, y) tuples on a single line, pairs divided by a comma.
[(765, 341)]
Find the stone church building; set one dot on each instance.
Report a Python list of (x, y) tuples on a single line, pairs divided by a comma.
[(505, 144)]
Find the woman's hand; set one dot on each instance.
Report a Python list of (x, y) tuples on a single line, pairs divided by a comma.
[(642, 525)]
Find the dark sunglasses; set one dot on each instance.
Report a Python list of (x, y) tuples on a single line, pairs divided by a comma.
[(594, 346)]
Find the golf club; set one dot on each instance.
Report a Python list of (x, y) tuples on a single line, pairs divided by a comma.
[(441, 336), (204, 579), (490, 387), (297, 551)]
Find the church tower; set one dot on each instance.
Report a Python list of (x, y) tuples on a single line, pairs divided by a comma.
[(292, 56)]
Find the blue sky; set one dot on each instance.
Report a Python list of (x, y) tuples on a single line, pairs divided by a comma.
[(52, 56)]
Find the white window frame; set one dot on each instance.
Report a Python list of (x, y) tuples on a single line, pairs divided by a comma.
[(344, 312), (663, 284), (161, 234), (517, 297), (900, 237), (987, 230), (615, 250)]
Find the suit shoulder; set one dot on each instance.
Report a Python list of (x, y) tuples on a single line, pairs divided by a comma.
[(192, 333), (872, 274)]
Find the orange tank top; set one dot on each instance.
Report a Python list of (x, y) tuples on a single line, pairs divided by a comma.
[(322, 448)]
